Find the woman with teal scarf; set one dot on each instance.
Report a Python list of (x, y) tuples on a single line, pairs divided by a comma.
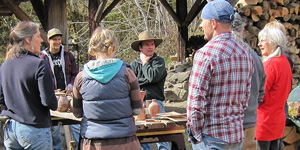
[(106, 95)]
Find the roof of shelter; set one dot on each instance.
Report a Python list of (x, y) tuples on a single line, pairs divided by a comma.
[(4, 10)]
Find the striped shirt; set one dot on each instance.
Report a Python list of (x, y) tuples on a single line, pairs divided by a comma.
[(219, 89)]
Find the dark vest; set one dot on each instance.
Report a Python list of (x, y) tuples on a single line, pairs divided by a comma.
[(107, 111)]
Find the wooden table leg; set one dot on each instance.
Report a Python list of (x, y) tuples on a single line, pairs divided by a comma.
[(177, 140)]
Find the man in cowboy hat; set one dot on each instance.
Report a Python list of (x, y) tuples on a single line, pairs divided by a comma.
[(151, 73)]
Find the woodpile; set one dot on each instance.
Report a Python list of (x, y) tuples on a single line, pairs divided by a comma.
[(257, 13), (291, 138)]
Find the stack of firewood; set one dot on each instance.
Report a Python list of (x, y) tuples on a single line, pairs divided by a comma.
[(257, 13), (291, 137)]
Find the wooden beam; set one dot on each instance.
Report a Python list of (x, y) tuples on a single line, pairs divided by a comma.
[(196, 8), (109, 8), (5, 11), (5, 14), (171, 11), (20, 14), (57, 17), (40, 11), (100, 11), (181, 7)]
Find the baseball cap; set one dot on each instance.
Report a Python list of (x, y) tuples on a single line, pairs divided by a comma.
[(220, 10), (52, 32)]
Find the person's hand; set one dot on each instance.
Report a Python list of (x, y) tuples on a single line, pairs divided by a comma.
[(191, 137), (68, 90), (144, 58)]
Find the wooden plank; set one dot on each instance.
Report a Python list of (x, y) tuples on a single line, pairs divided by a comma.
[(160, 132), (66, 115), (173, 130)]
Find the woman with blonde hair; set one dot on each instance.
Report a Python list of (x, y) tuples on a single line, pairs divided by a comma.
[(270, 113), (106, 95)]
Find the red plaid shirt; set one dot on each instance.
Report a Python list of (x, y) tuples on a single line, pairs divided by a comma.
[(219, 89), (71, 68)]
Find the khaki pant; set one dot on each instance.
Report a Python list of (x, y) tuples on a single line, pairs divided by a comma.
[(250, 142)]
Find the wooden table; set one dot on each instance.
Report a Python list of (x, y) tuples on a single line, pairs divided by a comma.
[(161, 131), (149, 131)]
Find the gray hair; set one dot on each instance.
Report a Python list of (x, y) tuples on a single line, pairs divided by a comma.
[(238, 23), (17, 37), (274, 36), (237, 28)]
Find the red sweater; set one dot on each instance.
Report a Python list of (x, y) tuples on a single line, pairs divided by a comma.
[(270, 113)]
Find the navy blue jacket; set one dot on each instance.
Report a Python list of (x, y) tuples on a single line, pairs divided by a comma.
[(27, 90)]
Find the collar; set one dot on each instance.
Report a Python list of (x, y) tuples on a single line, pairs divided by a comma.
[(152, 58), (25, 51), (224, 35)]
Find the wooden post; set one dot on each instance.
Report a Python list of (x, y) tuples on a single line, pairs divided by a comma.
[(57, 17), (181, 7), (182, 40)]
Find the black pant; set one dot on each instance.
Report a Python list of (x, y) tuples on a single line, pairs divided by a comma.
[(270, 145)]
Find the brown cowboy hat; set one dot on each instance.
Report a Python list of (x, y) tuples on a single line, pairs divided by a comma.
[(144, 36)]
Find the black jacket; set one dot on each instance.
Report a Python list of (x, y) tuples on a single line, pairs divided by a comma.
[(27, 90)]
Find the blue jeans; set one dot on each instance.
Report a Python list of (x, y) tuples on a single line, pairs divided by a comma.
[(21, 136), (56, 135), (161, 145), (75, 129), (209, 143)]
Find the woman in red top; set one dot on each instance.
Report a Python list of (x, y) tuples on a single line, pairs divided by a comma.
[(270, 113)]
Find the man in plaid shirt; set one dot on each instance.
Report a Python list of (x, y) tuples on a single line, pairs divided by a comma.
[(219, 86), (63, 70)]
